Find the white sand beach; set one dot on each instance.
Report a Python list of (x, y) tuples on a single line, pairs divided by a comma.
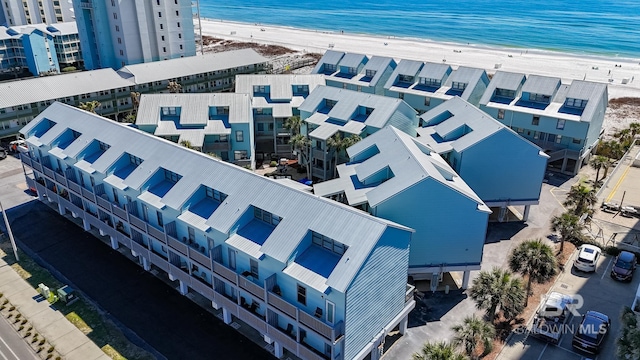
[(614, 71)]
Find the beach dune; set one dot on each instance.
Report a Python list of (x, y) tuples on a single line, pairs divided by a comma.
[(622, 74)]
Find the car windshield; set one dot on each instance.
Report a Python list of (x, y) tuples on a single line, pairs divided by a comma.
[(590, 329), (623, 264)]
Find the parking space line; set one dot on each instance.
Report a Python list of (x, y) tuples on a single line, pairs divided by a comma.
[(542, 352), (615, 188), (569, 351), (605, 269)]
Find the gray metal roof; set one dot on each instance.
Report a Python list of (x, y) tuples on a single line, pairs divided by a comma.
[(13, 93), (330, 57), (467, 75), (434, 71), (503, 80), (410, 161), (595, 93), (542, 85), (300, 211), (191, 65), (348, 101), (379, 64), (194, 108), (405, 67), (281, 85), (353, 60), (481, 125)]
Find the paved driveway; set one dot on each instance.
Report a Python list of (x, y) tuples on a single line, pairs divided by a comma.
[(600, 293)]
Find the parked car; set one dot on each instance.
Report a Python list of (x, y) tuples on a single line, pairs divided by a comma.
[(587, 259), (624, 266), (592, 331)]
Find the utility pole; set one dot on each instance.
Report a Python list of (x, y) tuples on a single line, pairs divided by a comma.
[(13, 242)]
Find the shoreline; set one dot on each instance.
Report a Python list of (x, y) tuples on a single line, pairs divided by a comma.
[(566, 66)]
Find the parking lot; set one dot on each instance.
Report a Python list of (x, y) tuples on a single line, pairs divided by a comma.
[(600, 293)]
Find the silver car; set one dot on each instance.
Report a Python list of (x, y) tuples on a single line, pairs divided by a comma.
[(587, 259)]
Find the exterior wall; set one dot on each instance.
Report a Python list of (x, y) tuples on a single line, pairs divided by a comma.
[(38, 54), (13, 12), (434, 241), (595, 123), (416, 101), (503, 167), (373, 301)]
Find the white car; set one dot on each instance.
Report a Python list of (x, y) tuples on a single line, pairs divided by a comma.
[(587, 259)]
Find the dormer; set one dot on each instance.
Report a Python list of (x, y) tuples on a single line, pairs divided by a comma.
[(252, 230), (575, 103), (540, 89), (205, 201), (361, 114), (365, 154), (92, 152), (125, 165), (369, 74), (170, 113), (377, 177), (42, 127), (435, 120), (65, 139), (161, 182), (300, 90), (261, 90), (457, 133), (405, 79), (326, 105), (432, 76)]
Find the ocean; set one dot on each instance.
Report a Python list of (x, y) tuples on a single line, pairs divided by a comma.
[(585, 27)]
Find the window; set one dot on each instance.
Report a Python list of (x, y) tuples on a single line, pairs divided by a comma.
[(240, 155), (330, 312), (430, 82), (254, 268), (539, 98), (500, 114), (370, 73), (302, 294), (558, 139), (178, 24), (117, 28), (158, 2), (401, 96), (405, 78), (266, 216), (344, 85), (232, 259), (164, 49), (576, 141), (519, 130), (115, 16), (135, 160), (239, 136), (560, 124), (192, 234), (576, 103), (359, 88), (171, 176), (115, 196), (215, 194), (180, 46), (103, 146), (119, 40), (328, 243), (506, 93), (145, 212), (162, 37), (161, 26), (121, 52), (159, 216), (427, 101), (536, 135), (329, 67), (179, 36), (536, 120), (458, 85)]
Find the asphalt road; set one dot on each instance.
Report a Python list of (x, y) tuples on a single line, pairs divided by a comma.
[(12, 346), (169, 322)]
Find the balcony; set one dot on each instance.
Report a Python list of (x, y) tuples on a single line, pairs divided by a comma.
[(317, 325), (317, 172), (88, 194), (305, 353), (225, 302), (156, 233), (49, 173), (103, 203), (253, 289), (160, 262), (123, 239), (119, 212), (179, 274), (36, 166), (139, 249), (177, 245), (61, 179), (409, 294), (225, 273), (139, 223), (74, 187), (199, 257), (281, 337), (252, 319), (218, 146), (318, 154), (25, 159), (282, 305), (204, 289), (51, 195)]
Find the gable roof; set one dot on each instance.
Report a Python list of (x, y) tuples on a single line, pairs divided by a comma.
[(503, 80), (281, 85), (331, 57), (300, 211)]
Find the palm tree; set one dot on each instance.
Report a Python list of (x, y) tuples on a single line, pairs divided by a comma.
[(214, 155), (186, 143), (624, 136), (498, 289), (568, 225), (174, 87), (598, 162), (90, 106), (338, 144), (474, 334), (135, 101), (629, 340), (611, 149), (534, 259), (301, 144), (130, 118), (293, 123), (581, 198), (634, 127), (438, 351)]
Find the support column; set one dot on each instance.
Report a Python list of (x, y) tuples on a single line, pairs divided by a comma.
[(525, 216), (184, 289), (226, 316), (114, 243), (85, 225), (60, 209), (278, 350), (215, 305), (564, 164), (502, 213), (375, 352), (267, 339), (402, 327), (145, 264), (465, 279)]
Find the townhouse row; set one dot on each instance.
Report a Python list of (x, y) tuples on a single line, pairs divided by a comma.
[(318, 279)]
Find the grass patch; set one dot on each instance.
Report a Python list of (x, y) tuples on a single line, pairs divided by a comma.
[(82, 314)]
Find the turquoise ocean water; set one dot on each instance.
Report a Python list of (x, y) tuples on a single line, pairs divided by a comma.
[(591, 27)]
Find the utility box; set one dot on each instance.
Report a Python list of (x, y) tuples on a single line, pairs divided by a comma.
[(67, 294), (44, 290)]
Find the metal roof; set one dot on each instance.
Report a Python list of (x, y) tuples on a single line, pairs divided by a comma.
[(19, 92), (405, 67), (348, 102), (191, 65), (281, 85), (379, 64), (595, 93), (503, 80), (301, 212), (330, 57), (434, 71), (542, 85), (409, 161), (353, 60)]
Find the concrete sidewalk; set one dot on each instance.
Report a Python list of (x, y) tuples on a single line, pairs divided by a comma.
[(68, 340)]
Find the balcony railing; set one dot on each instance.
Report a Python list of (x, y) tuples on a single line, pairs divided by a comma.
[(305, 353), (88, 194), (52, 195), (179, 274), (158, 261), (49, 173), (225, 272), (318, 154), (75, 187), (409, 294), (316, 325), (61, 179), (140, 249), (36, 166), (225, 302), (103, 203), (282, 305), (139, 223), (248, 285), (204, 289), (318, 172), (177, 245), (158, 234), (119, 212), (282, 338), (219, 146), (123, 239), (199, 257), (25, 159), (253, 320)]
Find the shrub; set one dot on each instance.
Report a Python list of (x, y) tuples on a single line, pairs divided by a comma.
[(58, 358), (612, 250), (273, 164), (12, 308), (30, 328), (18, 316), (50, 350)]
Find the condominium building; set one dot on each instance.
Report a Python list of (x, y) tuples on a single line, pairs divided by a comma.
[(394, 176), (565, 120), (28, 12), (219, 124), (115, 33), (355, 71), (274, 99), (40, 48), (318, 279), (21, 101), (426, 85), (330, 111), (500, 166)]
